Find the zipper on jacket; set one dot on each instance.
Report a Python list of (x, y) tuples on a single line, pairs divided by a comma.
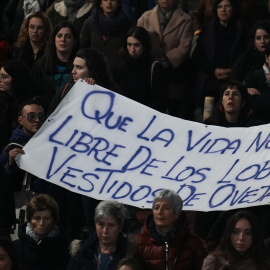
[(167, 255)]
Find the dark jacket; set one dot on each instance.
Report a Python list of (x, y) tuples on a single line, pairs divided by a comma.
[(247, 61), (210, 50), (94, 31), (59, 95), (144, 82), (18, 140), (256, 79), (44, 83), (185, 250), (7, 207), (26, 54), (84, 258), (247, 118), (51, 253)]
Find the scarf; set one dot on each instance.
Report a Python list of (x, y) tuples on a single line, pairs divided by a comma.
[(109, 26), (30, 6), (267, 74), (72, 8), (164, 18), (30, 232)]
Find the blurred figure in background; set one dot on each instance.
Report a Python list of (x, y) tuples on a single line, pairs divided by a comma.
[(105, 29), (75, 11), (15, 12)]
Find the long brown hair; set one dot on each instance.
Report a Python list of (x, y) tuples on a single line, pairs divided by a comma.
[(24, 36), (226, 249)]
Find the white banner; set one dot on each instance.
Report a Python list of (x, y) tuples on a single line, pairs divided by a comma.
[(103, 145)]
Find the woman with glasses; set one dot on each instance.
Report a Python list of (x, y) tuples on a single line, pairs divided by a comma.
[(33, 38), (15, 87), (241, 245)]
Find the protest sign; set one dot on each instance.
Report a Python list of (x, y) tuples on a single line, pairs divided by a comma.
[(103, 145)]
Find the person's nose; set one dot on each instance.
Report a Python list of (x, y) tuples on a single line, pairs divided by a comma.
[(105, 229), (42, 222), (73, 71), (241, 236), (37, 119)]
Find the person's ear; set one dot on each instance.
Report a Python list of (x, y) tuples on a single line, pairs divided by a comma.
[(20, 119), (243, 104)]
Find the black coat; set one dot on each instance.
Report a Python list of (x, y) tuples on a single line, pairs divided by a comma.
[(144, 82), (7, 207), (84, 259), (51, 253)]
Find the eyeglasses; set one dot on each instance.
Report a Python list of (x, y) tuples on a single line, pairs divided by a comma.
[(3, 76), (32, 117)]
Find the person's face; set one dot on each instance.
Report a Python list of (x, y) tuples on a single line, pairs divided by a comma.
[(164, 216), (36, 30), (109, 7), (42, 222), (64, 41), (241, 236), (107, 231), (224, 11), (32, 118), (5, 81), (261, 39), (166, 5), (232, 101), (80, 70), (5, 261), (134, 47)]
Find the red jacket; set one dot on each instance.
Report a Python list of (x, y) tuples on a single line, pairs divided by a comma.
[(180, 251)]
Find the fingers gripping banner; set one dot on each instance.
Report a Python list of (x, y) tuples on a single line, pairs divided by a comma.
[(103, 145)]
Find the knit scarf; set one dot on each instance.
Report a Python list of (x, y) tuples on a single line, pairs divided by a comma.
[(267, 74), (164, 18), (30, 232), (109, 26), (30, 6), (72, 8)]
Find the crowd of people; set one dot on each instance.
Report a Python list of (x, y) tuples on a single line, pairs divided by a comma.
[(165, 54)]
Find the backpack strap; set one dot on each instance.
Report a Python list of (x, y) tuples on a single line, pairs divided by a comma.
[(64, 91)]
